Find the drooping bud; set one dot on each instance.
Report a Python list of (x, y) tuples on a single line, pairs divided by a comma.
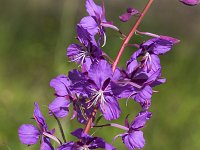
[(190, 2), (128, 14)]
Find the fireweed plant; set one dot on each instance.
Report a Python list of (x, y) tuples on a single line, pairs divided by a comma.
[(99, 84)]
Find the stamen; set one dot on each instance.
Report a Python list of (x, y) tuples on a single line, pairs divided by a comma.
[(98, 96), (81, 56), (119, 126), (146, 58), (84, 147), (52, 137), (104, 39)]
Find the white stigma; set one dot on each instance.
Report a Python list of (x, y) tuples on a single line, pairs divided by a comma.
[(84, 147), (81, 56), (97, 96)]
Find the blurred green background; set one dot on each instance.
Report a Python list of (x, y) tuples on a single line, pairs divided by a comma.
[(34, 35)]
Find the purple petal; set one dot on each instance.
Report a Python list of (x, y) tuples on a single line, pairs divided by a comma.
[(140, 120), (46, 144), (140, 77), (95, 53), (162, 46), (154, 64), (132, 10), (132, 62), (171, 39), (76, 53), (146, 104), (85, 37), (190, 2), (99, 72), (153, 77), (86, 65), (83, 112), (157, 45), (121, 91), (116, 74), (93, 9), (91, 142), (81, 89), (143, 95), (132, 66), (78, 133), (109, 147), (39, 117), (150, 63), (134, 140), (28, 134), (76, 76), (79, 82), (67, 146), (60, 84), (110, 108), (158, 82), (97, 143), (60, 107), (129, 13), (125, 17), (135, 55), (90, 25)]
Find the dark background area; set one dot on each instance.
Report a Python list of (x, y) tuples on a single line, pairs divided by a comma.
[(34, 35)]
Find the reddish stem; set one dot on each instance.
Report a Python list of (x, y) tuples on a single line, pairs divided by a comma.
[(127, 39), (89, 123)]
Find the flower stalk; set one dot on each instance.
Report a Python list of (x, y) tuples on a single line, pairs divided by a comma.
[(90, 120), (130, 35)]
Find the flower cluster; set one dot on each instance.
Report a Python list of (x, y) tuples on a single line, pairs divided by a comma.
[(98, 86)]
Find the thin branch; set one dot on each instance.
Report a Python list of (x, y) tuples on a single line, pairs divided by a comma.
[(133, 30), (89, 123), (60, 127), (100, 126)]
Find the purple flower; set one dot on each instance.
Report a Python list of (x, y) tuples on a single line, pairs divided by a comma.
[(146, 74), (61, 85), (29, 134), (85, 142), (137, 83), (96, 21), (100, 77), (157, 46), (150, 63), (134, 138), (84, 37), (150, 51), (129, 13), (88, 49), (60, 105), (190, 2), (79, 83), (97, 87), (81, 110)]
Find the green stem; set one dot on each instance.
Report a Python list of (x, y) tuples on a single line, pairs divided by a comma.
[(60, 127)]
